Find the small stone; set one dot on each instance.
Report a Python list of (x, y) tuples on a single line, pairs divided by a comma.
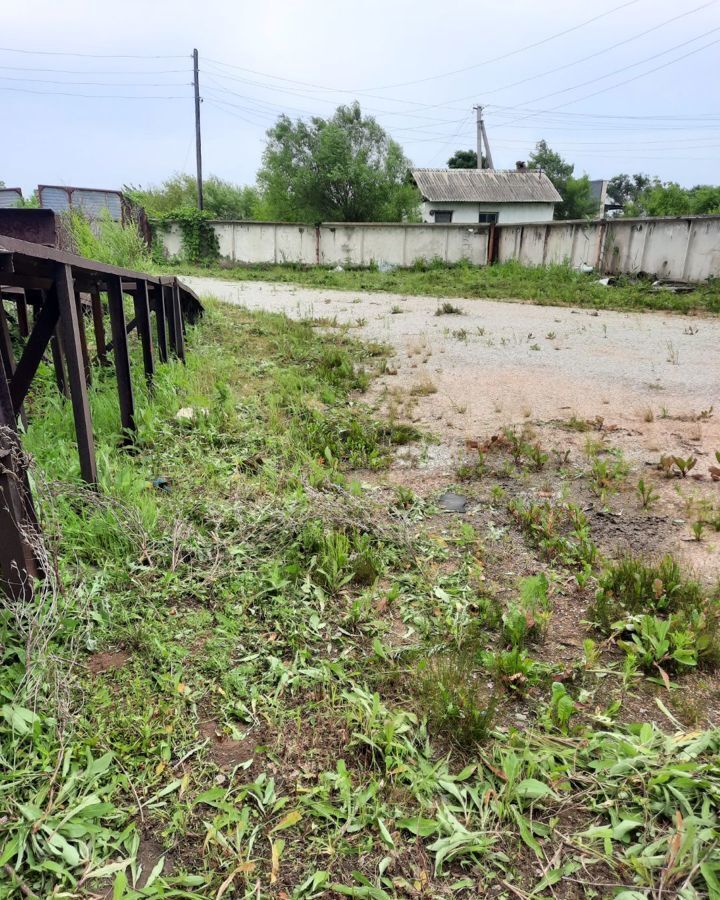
[(452, 502)]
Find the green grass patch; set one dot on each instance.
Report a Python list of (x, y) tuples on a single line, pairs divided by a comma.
[(248, 676), (551, 285)]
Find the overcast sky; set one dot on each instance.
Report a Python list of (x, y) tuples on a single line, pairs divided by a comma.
[(543, 70)]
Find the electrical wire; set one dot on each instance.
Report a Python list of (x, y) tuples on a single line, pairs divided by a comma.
[(92, 55), (629, 80), (91, 96), (427, 78)]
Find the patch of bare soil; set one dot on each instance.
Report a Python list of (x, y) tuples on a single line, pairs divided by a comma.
[(226, 752), (107, 661)]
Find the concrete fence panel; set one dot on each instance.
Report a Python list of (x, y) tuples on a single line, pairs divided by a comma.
[(677, 248), (703, 253)]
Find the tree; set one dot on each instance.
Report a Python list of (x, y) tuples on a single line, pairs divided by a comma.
[(577, 199), (222, 199), (345, 168), (463, 159), (671, 199), (624, 189)]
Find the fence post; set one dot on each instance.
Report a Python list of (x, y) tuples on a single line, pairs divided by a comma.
[(120, 353), (178, 320), (142, 314), (160, 322), (70, 331), (99, 327), (18, 563)]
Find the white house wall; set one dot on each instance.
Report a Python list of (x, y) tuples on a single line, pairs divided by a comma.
[(508, 213)]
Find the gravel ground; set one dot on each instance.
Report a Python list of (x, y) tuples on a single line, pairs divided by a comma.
[(649, 382), (505, 361)]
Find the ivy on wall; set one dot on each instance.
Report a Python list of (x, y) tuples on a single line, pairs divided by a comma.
[(199, 241)]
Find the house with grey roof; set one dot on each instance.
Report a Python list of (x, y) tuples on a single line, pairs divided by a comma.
[(485, 195)]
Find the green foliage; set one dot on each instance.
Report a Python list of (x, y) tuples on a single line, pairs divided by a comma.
[(108, 241), (646, 494), (556, 285), (345, 168), (667, 618), (660, 642), (631, 587), (464, 159), (525, 620), (561, 707), (560, 530), (454, 698), (221, 199), (199, 240), (577, 199), (624, 189), (659, 198), (304, 693)]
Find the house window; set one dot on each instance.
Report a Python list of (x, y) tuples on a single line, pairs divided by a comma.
[(441, 215), (487, 218)]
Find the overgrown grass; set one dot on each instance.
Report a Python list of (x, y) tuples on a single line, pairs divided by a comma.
[(108, 241), (557, 284), (256, 679)]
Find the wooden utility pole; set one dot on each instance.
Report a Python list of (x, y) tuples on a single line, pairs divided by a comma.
[(198, 143), (482, 140)]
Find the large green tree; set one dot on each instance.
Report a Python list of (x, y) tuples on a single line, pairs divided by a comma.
[(463, 159), (671, 199), (577, 199), (222, 199), (346, 168), (624, 189)]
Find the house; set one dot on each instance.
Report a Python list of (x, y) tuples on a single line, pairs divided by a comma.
[(485, 195)]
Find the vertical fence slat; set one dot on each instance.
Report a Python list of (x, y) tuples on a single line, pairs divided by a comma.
[(120, 353), (87, 368), (70, 331), (142, 314), (160, 322), (178, 317), (99, 327)]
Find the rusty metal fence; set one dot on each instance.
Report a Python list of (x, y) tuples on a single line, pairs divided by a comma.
[(54, 294)]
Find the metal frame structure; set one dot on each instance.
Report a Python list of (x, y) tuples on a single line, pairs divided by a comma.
[(62, 290)]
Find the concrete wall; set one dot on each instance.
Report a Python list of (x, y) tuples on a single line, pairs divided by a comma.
[(676, 248), (686, 249), (467, 213)]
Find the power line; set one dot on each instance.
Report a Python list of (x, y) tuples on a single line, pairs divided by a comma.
[(98, 83), (634, 78), (582, 59), (92, 96), (427, 78), (625, 68), (93, 55), (95, 71)]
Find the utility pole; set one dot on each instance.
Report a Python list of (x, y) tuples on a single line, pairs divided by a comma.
[(482, 139), (198, 143)]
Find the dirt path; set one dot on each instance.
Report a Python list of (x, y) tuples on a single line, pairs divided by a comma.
[(651, 381)]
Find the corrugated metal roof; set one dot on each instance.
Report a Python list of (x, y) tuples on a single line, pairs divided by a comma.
[(485, 186)]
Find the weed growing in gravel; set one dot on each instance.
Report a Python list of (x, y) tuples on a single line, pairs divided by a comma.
[(448, 309)]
